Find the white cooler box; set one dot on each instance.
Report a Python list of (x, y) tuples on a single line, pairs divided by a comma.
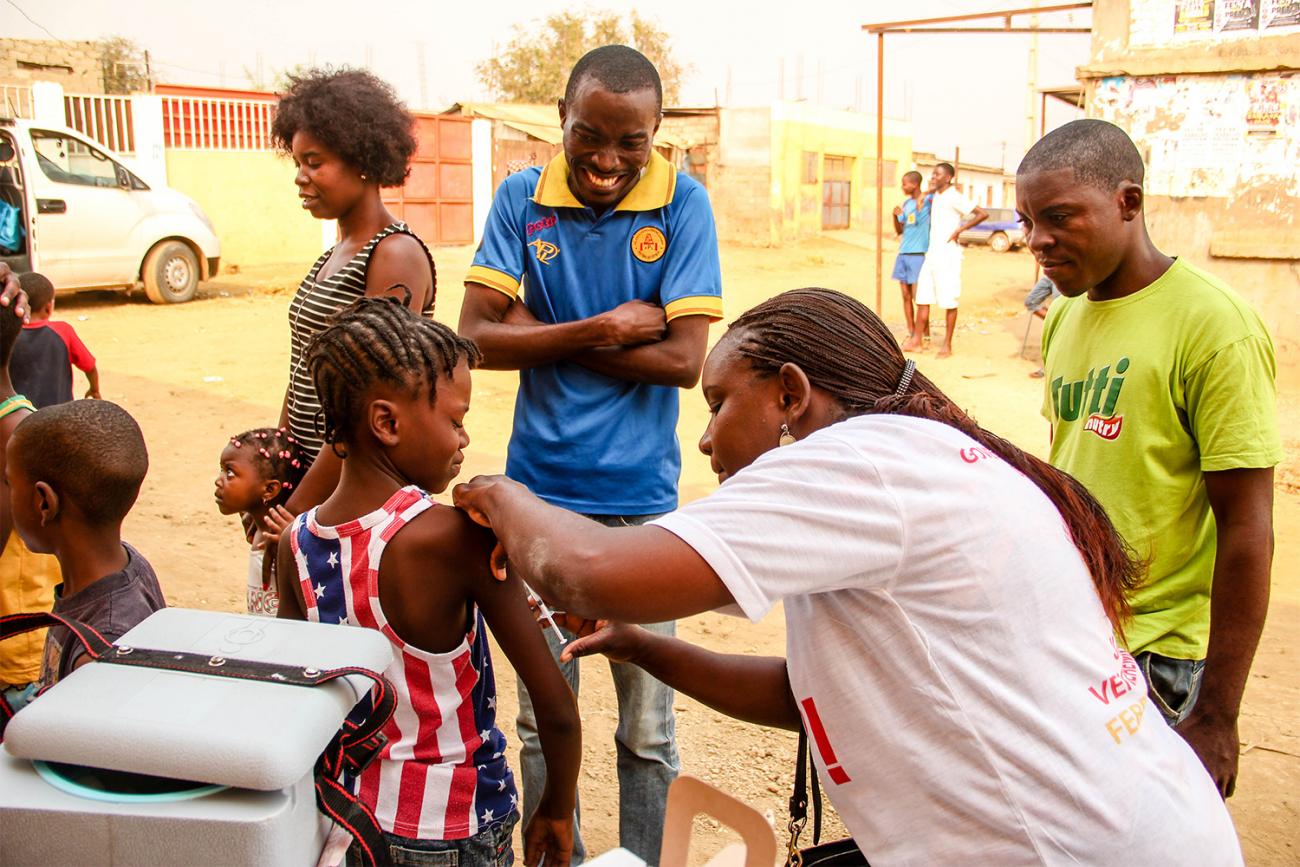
[(248, 747)]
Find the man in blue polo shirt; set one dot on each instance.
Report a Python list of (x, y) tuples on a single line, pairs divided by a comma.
[(597, 279)]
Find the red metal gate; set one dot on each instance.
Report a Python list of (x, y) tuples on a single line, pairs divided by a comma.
[(437, 200)]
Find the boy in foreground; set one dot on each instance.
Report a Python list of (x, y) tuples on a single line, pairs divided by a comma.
[(70, 475), (1162, 400)]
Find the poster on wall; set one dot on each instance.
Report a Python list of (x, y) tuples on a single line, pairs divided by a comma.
[(1193, 17), (1217, 136), (1280, 13), (1264, 109), (1236, 15), (1155, 23)]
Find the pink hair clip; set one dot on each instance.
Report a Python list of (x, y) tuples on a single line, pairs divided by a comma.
[(234, 441), (265, 453), (296, 464)]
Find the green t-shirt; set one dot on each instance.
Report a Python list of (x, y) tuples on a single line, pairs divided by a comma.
[(1144, 395)]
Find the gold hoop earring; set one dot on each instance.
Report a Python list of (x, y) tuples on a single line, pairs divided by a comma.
[(786, 437)]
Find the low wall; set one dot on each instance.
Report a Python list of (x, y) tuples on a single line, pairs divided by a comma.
[(251, 200)]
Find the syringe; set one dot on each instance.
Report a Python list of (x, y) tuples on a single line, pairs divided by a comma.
[(546, 613)]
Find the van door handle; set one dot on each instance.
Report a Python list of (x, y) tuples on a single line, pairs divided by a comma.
[(51, 206)]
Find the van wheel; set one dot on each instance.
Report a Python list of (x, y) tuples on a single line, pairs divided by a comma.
[(999, 242), (170, 273)]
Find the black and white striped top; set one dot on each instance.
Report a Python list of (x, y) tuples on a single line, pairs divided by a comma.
[(309, 312)]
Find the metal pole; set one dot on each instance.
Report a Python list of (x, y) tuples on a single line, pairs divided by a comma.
[(880, 161)]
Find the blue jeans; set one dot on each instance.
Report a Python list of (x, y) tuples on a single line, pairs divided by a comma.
[(491, 846), (645, 740), (1172, 684)]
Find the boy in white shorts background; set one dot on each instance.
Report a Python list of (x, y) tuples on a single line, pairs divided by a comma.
[(951, 213)]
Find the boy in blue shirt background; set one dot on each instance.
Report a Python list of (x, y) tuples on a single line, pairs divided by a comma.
[(912, 222)]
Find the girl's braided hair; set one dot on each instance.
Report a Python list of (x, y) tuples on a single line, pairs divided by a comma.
[(277, 455), (847, 351), (378, 339)]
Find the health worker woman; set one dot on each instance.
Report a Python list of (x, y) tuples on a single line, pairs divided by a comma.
[(954, 607)]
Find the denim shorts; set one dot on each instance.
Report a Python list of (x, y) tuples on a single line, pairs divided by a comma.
[(1172, 684), (491, 846), (907, 267)]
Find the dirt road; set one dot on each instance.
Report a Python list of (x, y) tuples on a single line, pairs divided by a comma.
[(197, 373)]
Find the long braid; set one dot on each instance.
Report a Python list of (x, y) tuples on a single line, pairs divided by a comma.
[(378, 340), (846, 350)]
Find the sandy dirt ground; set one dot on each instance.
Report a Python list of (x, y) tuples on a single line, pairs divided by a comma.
[(196, 373)]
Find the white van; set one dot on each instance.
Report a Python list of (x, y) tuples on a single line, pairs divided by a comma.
[(87, 221)]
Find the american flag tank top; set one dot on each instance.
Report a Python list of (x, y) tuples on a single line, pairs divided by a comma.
[(443, 773)]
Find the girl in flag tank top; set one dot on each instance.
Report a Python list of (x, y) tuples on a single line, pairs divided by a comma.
[(380, 554)]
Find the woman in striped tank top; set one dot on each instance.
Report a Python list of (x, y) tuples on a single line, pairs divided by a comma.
[(379, 554), (348, 135)]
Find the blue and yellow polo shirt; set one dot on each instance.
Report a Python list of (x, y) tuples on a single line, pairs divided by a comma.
[(582, 440)]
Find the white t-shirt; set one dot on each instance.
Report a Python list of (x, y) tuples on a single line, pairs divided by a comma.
[(963, 695), (947, 211), (261, 600)]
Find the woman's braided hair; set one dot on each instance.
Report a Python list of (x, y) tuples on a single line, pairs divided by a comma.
[(378, 339), (848, 352)]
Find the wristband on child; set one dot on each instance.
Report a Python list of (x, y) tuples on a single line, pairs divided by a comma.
[(12, 404)]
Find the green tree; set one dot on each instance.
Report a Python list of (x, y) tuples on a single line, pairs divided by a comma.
[(535, 64), (125, 66)]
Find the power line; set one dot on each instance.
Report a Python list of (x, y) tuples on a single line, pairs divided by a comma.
[(31, 19)]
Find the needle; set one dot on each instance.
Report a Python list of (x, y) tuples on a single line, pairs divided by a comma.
[(545, 612)]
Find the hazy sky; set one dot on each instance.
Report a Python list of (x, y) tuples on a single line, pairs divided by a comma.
[(956, 90)]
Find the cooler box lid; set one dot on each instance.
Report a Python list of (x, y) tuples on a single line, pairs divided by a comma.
[(219, 730)]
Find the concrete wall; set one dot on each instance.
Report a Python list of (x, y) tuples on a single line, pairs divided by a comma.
[(701, 131), (251, 200), (740, 180), (74, 65), (1216, 115)]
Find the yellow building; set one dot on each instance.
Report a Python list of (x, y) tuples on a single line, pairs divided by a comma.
[(790, 170)]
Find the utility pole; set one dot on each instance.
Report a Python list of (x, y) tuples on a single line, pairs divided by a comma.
[(1033, 79)]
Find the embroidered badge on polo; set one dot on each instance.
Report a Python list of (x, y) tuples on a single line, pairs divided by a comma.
[(545, 250), (649, 244)]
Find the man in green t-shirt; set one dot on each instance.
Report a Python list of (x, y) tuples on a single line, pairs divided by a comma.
[(1162, 401)]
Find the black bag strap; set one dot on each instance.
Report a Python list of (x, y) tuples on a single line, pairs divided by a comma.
[(351, 749), (844, 851)]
